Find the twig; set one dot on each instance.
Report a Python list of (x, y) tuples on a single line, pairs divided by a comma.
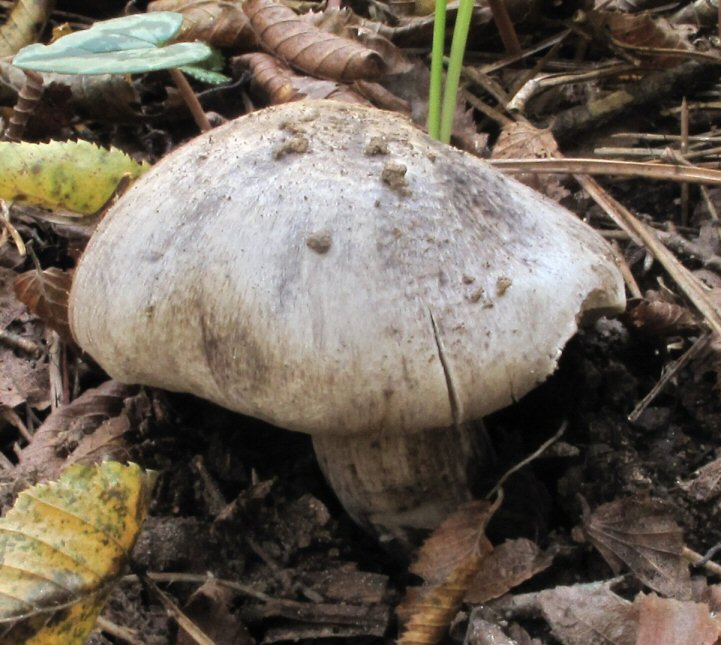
[(684, 152), (55, 371), (509, 60), (543, 81), (669, 172), (13, 419), (690, 250), (17, 342), (625, 270), (670, 371), (117, 631), (652, 87), (191, 100), (534, 455), (505, 27), (699, 560), (170, 577), (281, 574), (639, 232), (183, 621), (528, 605), (9, 229)]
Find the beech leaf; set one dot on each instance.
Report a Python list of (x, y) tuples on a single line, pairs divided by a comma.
[(63, 545), (73, 175), (641, 534), (448, 560)]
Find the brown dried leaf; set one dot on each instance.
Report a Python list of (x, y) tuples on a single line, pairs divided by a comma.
[(23, 24), (510, 564), (347, 24), (448, 560), (663, 621), (658, 317), (641, 534), (272, 79), (706, 483), (221, 24), (46, 295), (581, 615), (68, 425), (520, 140), (277, 83), (642, 33), (22, 378), (209, 609), (306, 48)]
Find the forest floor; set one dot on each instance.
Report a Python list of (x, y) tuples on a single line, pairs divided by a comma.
[(603, 531)]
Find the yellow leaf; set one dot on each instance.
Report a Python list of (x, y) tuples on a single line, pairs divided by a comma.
[(73, 175), (62, 546)]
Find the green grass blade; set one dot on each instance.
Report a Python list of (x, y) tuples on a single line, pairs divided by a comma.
[(458, 48), (436, 86)]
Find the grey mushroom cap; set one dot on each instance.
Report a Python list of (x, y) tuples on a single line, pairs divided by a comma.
[(331, 269)]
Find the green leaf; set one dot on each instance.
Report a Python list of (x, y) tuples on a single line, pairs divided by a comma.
[(205, 75), (73, 175), (128, 45)]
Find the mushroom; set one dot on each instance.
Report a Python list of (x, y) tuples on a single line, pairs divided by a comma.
[(330, 269)]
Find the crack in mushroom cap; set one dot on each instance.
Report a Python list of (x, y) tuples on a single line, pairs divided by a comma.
[(337, 286)]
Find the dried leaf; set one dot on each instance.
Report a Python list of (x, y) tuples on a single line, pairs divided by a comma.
[(23, 25), (644, 31), (46, 295), (520, 140), (658, 317), (221, 24), (63, 545), (22, 378), (663, 621), (580, 615), (209, 609), (510, 564), (74, 175), (306, 48), (642, 535), (706, 484), (68, 425), (448, 560), (277, 83)]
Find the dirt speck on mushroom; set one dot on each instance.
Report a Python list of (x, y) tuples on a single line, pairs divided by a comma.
[(394, 175), (319, 242)]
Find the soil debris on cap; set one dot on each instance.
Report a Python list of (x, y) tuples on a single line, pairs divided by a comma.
[(394, 175)]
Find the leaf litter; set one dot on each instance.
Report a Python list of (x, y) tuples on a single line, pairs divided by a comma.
[(253, 510)]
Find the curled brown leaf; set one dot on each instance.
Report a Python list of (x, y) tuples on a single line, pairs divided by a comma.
[(658, 317), (221, 24), (275, 83), (306, 48)]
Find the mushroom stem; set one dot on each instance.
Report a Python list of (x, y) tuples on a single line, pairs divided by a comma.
[(400, 487)]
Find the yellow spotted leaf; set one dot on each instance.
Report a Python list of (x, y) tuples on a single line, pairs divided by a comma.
[(73, 175), (62, 546)]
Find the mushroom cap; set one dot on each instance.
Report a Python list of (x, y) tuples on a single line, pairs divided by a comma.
[(329, 268)]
